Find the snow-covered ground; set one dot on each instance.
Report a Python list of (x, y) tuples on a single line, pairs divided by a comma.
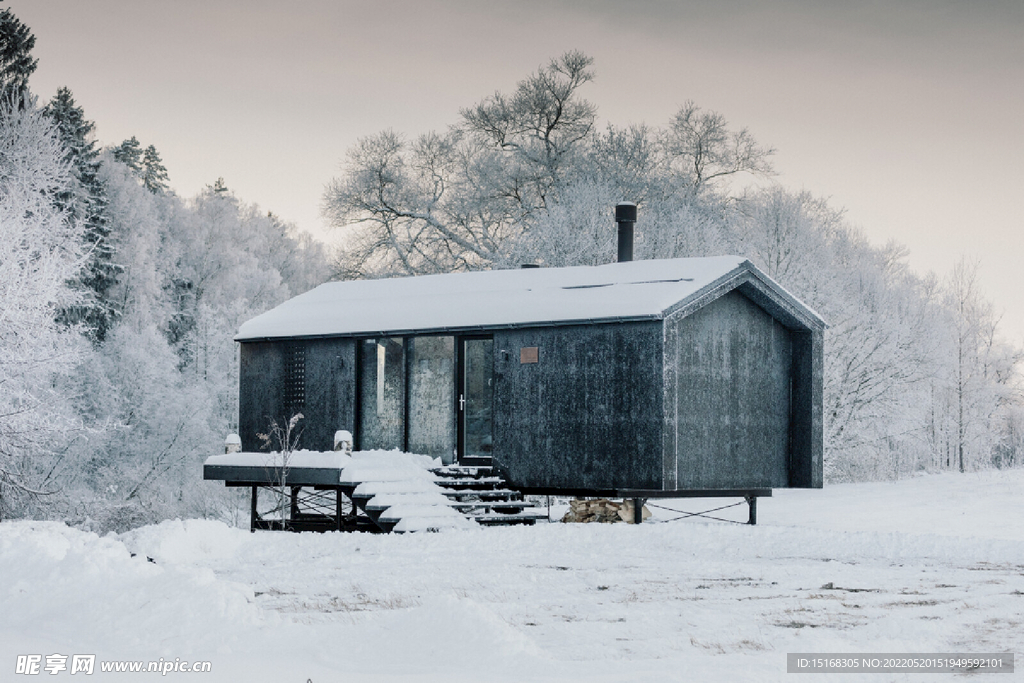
[(932, 564)]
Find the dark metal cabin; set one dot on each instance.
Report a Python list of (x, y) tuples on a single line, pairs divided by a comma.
[(635, 378)]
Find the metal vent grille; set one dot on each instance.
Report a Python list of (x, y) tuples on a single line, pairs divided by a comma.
[(294, 379)]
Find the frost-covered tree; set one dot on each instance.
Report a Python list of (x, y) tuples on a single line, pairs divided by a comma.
[(40, 253), (129, 153), (137, 231), (16, 61), (116, 430), (703, 151), (154, 173), (453, 200), (165, 380), (980, 374), (145, 164), (507, 173), (161, 424), (86, 203)]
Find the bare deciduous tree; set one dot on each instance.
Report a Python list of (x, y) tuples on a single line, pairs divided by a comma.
[(453, 200), (703, 150)]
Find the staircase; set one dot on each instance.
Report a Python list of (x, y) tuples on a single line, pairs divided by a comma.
[(405, 499), (480, 491)]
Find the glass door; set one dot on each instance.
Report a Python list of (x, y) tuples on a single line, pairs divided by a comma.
[(475, 395)]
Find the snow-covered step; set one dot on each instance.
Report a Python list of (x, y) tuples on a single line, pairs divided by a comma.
[(469, 482), (463, 472), (405, 517), (358, 473), (522, 517), (461, 495), (397, 513), (398, 492), (383, 501), (372, 488), (505, 503), (480, 491)]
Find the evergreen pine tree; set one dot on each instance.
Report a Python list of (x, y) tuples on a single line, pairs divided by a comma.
[(145, 164), (154, 174), (129, 153), (16, 62), (86, 201)]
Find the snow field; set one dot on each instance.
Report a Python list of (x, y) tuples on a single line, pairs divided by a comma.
[(853, 568)]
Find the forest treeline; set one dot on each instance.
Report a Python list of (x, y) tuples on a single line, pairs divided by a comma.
[(119, 299), (118, 303)]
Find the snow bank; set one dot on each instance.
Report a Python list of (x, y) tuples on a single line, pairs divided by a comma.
[(71, 591), (192, 541), (973, 505), (671, 601)]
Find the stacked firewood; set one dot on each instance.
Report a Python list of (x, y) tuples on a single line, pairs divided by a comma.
[(601, 511)]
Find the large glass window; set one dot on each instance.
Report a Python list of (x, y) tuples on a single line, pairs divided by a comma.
[(477, 396), (432, 397), (411, 398), (382, 400)]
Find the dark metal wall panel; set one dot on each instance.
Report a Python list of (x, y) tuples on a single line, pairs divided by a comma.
[(807, 430), (328, 399), (670, 393), (587, 414), (330, 392), (261, 390), (727, 397)]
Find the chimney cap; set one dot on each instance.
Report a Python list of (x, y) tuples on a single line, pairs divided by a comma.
[(625, 212)]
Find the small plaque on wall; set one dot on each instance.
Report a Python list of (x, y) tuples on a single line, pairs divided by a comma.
[(528, 354)]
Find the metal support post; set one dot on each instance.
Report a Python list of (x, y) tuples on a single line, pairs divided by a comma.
[(752, 502), (252, 514), (294, 509), (638, 510), (337, 508)]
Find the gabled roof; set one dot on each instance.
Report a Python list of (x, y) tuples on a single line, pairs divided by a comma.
[(493, 299)]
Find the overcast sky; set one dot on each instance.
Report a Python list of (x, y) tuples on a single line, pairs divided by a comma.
[(909, 114)]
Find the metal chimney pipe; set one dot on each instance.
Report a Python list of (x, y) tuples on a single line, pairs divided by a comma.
[(625, 216)]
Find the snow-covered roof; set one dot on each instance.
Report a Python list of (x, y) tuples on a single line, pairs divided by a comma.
[(632, 290)]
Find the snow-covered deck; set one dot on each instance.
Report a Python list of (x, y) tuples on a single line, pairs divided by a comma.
[(406, 497), (304, 468)]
